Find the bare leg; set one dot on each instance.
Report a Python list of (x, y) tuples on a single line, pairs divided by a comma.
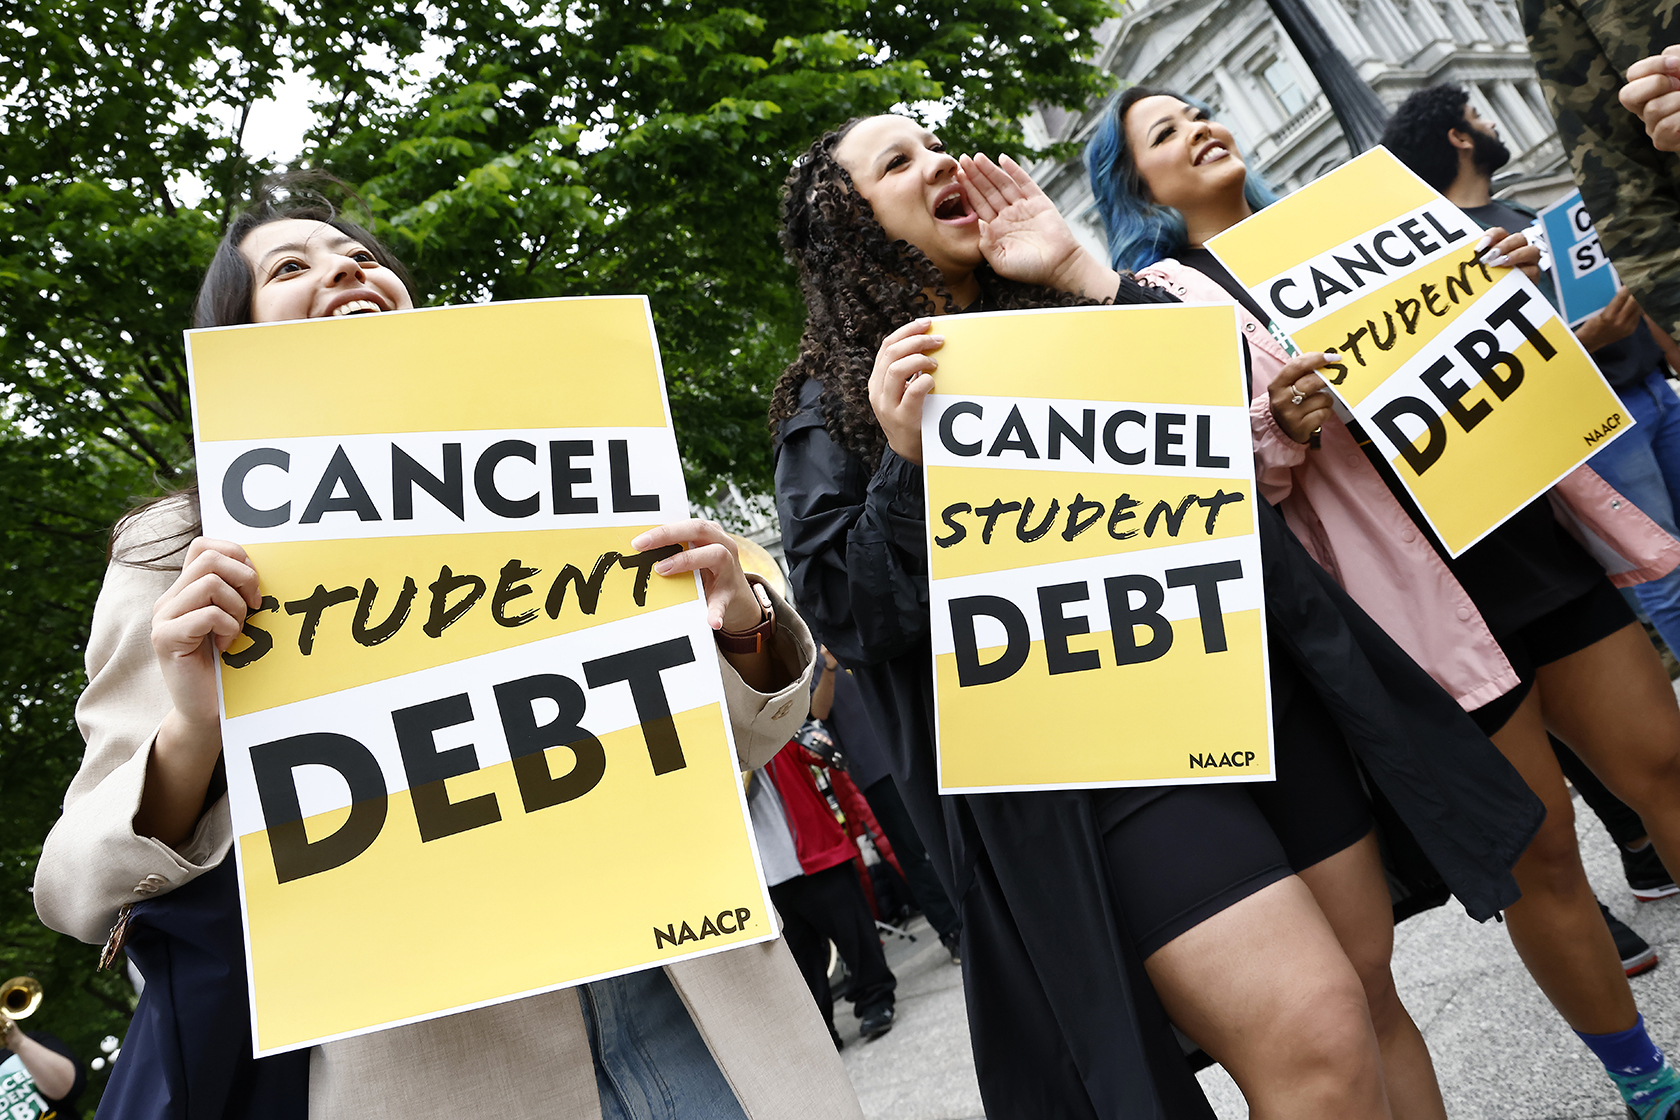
[(1264, 987), (1613, 704), (1556, 926), (1353, 893)]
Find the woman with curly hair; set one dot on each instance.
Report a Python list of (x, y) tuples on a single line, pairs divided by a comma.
[(1253, 917), (1524, 629)]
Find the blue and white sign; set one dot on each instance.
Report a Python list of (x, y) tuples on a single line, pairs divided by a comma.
[(1586, 280)]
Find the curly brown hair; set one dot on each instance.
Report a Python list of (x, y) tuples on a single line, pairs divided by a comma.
[(860, 286)]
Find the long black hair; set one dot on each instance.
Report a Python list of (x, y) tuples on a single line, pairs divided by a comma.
[(224, 300), (860, 286), (224, 297)]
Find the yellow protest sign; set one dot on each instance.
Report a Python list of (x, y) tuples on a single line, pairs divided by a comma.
[(1460, 374), (475, 748), (1093, 553)]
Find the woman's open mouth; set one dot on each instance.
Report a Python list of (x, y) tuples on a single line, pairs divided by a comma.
[(356, 301), (1210, 153), (952, 208)]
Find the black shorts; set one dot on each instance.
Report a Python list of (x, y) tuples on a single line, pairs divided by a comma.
[(1181, 858), (1552, 637)]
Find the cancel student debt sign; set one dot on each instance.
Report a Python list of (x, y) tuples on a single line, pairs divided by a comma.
[(475, 748), (1095, 569), (1461, 375)]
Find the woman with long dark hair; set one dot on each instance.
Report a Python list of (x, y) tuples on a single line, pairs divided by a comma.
[(1253, 917), (724, 1037), (1523, 629)]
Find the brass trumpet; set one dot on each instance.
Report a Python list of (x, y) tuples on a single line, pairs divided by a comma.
[(19, 997)]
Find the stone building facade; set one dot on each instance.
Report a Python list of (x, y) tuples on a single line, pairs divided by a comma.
[(1234, 55)]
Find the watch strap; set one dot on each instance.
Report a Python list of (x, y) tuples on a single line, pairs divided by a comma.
[(755, 639)]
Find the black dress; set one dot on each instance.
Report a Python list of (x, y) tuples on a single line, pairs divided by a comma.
[(1062, 1017)]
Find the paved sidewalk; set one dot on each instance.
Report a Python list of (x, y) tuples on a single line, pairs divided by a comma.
[(1500, 1050), (923, 1069)]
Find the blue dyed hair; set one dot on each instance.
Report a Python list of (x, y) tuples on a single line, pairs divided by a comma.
[(1141, 232)]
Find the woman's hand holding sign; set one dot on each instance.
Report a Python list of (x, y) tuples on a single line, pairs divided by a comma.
[(195, 620), (1499, 249), (900, 383), (1300, 400), (1614, 322), (733, 603)]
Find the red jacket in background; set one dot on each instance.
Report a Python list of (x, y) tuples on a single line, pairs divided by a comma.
[(819, 839)]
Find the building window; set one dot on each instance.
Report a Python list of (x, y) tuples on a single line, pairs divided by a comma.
[(1281, 79), (1210, 95)]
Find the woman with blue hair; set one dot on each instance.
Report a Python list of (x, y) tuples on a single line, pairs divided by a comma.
[(1140, 230), (1524, 629)]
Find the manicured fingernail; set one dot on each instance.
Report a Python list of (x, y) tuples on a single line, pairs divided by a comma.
[(1497, 260), (1331, 355), (1484, 241), (936, 338), (935, 366), (663, 567)]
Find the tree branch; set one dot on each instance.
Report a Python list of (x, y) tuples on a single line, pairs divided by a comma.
[(584, 251), (163, 194), (156, 458), (55, 531), (168, 402), (71, 515), (343, 101)]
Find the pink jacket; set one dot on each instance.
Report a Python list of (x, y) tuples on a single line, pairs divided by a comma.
[(1348, 520)]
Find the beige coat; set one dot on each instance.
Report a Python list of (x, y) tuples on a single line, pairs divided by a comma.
[(529, 1058)]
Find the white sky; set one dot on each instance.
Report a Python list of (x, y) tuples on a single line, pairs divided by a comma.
[(277, 124)]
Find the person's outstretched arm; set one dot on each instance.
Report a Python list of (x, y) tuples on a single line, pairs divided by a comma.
[(1631, 189), (54, 1074)]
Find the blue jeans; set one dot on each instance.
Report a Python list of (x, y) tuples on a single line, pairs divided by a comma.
[(650, 1061), (1644, 465)]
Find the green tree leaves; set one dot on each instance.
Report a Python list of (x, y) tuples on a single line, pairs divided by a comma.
[(506, 149)]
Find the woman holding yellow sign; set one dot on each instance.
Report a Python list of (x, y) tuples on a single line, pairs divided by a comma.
[(1522, 628), (724, 1037), (1254, 917)]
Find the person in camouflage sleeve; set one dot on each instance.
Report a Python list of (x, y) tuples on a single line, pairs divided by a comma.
[(1581, 49)]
